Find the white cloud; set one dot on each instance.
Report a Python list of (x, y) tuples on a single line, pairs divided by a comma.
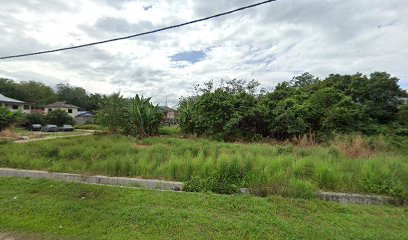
[(270, 43)]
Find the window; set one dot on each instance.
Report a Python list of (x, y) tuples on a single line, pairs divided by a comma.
[(69, 110), (49, 109), (26, 107), (15, 107)]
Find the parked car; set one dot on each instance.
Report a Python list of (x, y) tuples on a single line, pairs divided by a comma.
[(34, 127), (49, 128), (66, 128)]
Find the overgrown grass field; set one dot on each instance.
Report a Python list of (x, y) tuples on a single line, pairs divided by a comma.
[(222, 167), (57, 210)]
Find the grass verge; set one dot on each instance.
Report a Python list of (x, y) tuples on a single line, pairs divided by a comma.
[(219, 167), (80, 211)]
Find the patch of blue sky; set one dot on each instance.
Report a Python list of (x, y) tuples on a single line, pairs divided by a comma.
[(192, 56)]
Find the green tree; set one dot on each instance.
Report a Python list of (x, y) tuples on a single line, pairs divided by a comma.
[(73, 95), (142, 118), (8, 88), (35, 93), (111, 112), (402, 116), (36, 118), (59, 118), (289, 119), (185, 114), (331, 110), (380, 93), (228, 112), (8, 118), (94, 102)]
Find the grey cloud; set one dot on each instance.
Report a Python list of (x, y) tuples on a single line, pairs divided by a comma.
[(30, 76), (270, 43), (39, 6), (111, 27), (118, 4)]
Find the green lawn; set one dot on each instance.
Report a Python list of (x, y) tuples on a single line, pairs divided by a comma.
[(79, 211), (270, 169)]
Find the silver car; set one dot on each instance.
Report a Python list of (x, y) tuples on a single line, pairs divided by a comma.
[(49, 128), (66, 128)]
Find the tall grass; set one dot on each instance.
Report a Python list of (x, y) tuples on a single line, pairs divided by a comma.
[(223, 167)]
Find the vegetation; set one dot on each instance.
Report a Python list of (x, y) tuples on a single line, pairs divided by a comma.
[(35, 93), (8, 118), (57, 117), (346, 165), (90, 127), (58, 210), (305, 105), (135, 116), (169, 131), (39, 94), (36, 118), (142, 118)]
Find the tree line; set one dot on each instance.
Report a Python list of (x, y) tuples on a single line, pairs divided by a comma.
[(236, 110), (239, 110), (39, 94), (135, 116)]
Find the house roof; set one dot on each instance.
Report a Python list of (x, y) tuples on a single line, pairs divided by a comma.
[(166, 109), (10, 100), (60, 105), (85, 114)]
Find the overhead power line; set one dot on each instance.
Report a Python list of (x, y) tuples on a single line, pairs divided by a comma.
[(136, 35)]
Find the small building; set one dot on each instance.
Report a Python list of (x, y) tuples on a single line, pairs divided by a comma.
[(70, 109), (169, 115), (84, 117), (14, 104)]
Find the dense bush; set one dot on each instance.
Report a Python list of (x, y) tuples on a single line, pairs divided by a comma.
[(170, 131), (8, 117), (304, 105), (142, 118), (135, 116), (58, 117), (227, 179), (111, 115), (36, 118)]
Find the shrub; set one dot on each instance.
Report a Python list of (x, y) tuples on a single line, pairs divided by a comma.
[(306, 105), (293, 187), (8, 117), (301, 189), (141, 117), (170, 131), (36, 118), (111, 114), (136, 116), (382, 181), (227, 180), (59, 117), (90, 127)]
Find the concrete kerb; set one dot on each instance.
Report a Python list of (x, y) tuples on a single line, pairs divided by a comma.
[(177, 186), (103, 180), (355, 198)]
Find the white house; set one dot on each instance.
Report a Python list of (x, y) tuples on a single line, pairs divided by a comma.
[(14, 105), (70, 109)]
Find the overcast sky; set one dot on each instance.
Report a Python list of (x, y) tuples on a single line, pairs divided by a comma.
[(271, 43)]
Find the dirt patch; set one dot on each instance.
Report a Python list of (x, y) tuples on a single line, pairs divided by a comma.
[(9, 133), (141, 146)]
